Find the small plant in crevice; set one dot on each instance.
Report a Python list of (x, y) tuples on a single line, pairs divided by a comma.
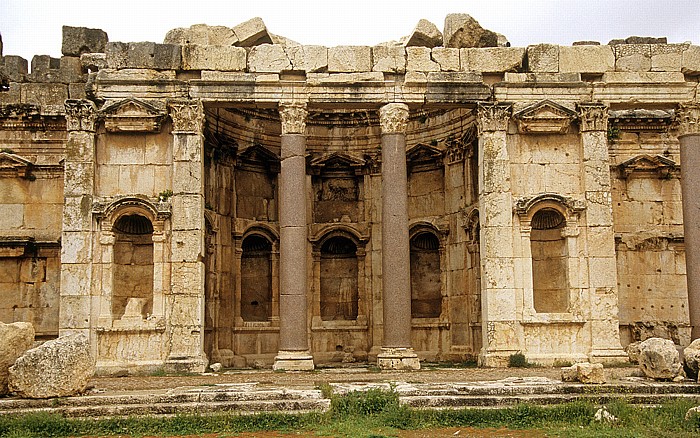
[(165, 195)]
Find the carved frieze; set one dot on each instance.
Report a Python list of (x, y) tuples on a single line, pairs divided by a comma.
[(293, 117), (393, 117), (81, 115), (187, 116), (688, 119), (132, 115), (638, 120), (544, 117), (593, 116), (493, 117)]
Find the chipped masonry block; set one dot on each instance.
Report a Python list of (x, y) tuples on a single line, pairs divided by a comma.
[(492, 59), (645, 40), (268, 58), (690, 61), (543, 58), (79, 40), (585, 43), (201, 35), (419, 59), (389, 58), (446, 58), (425, 34), (223, 58), (463, 31), (44, 62), (143, 55), (93, 61), (349, 59), (252, 33), (586, 59), (15, 68), (617, 77), (632, 57), (667, 57), (307, 58), (44, 94)]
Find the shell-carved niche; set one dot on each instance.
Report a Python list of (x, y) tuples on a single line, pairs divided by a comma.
[(133, 115), (545, 117)]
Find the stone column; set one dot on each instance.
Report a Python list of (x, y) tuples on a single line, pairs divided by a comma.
[(602, 260), (500, 330), (689, 137), (396, 350), (185, 302), (75, 314), (293, 344)]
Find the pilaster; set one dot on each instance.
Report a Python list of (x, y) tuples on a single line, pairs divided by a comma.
[(185, 303), (501, 332), (688, 117), (602, 261), (396, 352)]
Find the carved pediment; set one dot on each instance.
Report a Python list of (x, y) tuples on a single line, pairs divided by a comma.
[(259, 157), (545, 117), (648, 165), (423, 156), (132, 115), (335, 163), (637, 120), (13, 165)]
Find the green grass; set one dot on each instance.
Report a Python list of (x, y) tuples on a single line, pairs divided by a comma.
[(376, 413)]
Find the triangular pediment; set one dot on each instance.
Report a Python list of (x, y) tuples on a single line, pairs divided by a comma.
[(13, 161), (258, 157), (132, 115), (648, 164), (544, 117), (423, 153), (337, 162)]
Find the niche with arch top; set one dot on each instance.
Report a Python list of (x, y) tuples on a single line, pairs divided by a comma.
[(256, 279), (549, 262), (426, 283), (133, 266), (339, 271)]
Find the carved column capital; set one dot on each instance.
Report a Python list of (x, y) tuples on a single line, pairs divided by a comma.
[(393, 118), (187, 116), (293, 118), (594, 117), (688, 119), (493, 117), (81, 115)]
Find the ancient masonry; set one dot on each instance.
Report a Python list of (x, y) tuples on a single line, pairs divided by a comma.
[(232, 196)]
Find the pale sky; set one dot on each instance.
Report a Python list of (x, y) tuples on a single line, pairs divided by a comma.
[(33, 27)]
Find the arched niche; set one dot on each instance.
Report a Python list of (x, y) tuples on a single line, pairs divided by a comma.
[(338, 279), (256, 303), (426, 273), (132, 294), (550, 285)]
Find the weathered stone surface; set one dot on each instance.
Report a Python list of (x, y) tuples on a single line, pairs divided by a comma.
[(389, 58), (492, 60), (222, 58), (15, 68), (645, 40), (15, 339), (633, 351), (543, 58), (461, 30), (584, 372), (202, 35), (143, 55), (252, 33), (446, 58), (57, 368), (79, 40), (349, 59), (632, 57), (585, 43), (307, 58), (93, 61), (268, 58), (425, 34), (586, 59), (659, 359), (691, 357), (690, 61), (419, 59)]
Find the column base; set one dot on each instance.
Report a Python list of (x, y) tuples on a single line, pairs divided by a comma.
[(293, 361), (398, 359), (608, 356), (186, 364)]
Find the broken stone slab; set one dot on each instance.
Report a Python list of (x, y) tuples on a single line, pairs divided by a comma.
[(632, 57), (268, 58), (638, 40), (15, 339), (462, 31), (425, 34), (79, 40), (586, 59), (57, 368), (252, 33), (543, 58), (222, 58), (93, 61), (15, 67), (690, 61), (659, 359), (389, 58), (201, 35), (584, 372), (349, 59), (146, 55), (633, 351), (446, 58), (66, 70), (283, 41), (419, 59), (691, 357), (307, 58), (492, 59), (586, 43)]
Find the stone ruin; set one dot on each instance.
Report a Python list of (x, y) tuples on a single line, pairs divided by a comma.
[(232, 196)]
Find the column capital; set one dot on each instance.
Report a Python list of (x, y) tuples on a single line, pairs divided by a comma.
[(493, 117), (81, 115), (293, 117), (187, 116), (594, 116), (688, 119), (393, 118)]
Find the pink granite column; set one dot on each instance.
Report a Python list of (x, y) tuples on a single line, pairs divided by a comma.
[(689, 137), (396, 277), (293, 344)]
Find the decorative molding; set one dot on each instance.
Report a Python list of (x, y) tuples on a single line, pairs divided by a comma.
[(647, 165), (393, 118), (13, 165), (593, 116), (158, 210), (187, 116), (81, 115), (258, 158), (132, 115), (424, 157), (523, 206), (545, 117), (688, 119), (493, 117), (638, 120), (293, 117), (337, 163)]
